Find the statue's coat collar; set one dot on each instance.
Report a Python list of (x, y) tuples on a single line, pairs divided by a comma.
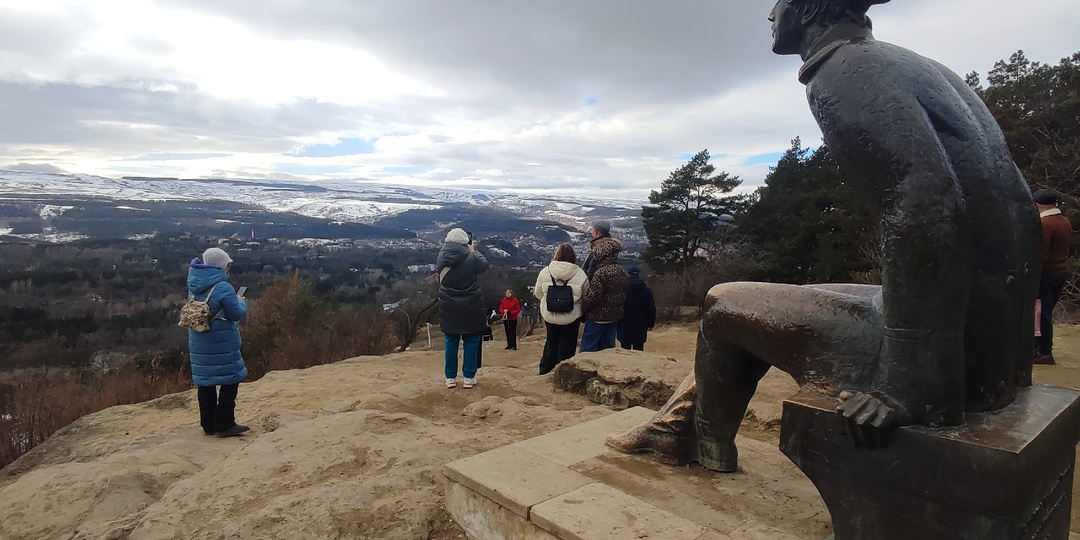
[(835, 37)]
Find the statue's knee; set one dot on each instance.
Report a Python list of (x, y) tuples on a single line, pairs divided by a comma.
[(718, 292), (725, 295)]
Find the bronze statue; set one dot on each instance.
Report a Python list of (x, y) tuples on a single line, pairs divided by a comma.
[(948, 330)]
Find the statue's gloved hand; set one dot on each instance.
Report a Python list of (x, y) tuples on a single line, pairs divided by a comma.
[(870, 419)]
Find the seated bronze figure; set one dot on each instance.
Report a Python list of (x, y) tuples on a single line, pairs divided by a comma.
[(950, 328)]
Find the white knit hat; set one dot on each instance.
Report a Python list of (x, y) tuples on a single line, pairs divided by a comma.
[(457, 236), (216, 257)]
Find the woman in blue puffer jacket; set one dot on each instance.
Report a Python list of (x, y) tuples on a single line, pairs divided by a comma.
[(215, 353)]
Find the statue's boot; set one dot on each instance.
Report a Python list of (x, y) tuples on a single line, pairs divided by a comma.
[(668, 434)]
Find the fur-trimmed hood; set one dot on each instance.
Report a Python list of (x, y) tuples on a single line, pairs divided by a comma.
[(605, 248)]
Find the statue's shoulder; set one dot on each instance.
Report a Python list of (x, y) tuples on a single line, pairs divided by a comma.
[(868, 71), (843, 60)]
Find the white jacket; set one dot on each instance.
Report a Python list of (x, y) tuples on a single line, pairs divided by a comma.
[(574, 276)]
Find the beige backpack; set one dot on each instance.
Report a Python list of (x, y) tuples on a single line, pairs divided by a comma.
[(195, 314)]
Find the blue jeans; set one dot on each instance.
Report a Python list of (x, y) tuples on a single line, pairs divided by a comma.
[(470, 347), (598, 336)]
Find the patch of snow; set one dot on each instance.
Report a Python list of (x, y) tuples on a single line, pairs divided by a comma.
[(48, 211)]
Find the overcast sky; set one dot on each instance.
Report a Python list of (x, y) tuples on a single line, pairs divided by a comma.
[(593, 97)]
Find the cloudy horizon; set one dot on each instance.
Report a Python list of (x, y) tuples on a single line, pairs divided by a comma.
[(599, 98)]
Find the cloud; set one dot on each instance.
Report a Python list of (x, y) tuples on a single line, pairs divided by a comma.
[(37, 35), (601, 98), (173, 157)]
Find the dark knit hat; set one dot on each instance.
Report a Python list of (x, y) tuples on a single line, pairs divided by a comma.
[(633, 271), (1045, 196)]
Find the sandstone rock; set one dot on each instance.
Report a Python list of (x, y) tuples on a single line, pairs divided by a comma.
[(621, 378)]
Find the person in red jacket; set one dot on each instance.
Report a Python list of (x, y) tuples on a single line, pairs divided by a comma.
[(509, 309), (1056, 233)]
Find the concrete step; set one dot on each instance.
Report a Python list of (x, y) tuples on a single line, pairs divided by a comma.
[(568, 485)]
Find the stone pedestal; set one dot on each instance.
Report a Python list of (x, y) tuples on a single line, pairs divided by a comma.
[(1003, 475)]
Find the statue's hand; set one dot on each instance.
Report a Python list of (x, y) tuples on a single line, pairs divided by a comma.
[(870, 419)]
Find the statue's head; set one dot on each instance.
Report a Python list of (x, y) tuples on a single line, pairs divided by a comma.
[(791, 19)]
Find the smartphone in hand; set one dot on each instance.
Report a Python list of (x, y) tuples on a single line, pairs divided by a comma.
[(241, 291)]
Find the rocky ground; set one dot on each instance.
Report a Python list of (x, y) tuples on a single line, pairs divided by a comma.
[(348, 450)]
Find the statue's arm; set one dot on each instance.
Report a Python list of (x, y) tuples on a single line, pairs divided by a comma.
[(887, 140)]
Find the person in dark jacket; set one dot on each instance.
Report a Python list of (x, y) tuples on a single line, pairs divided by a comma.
[(462, 315), (603, 300), (216, 365), (639, 312), (1056, 232)]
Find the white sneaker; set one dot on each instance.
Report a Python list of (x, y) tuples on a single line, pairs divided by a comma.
[(450, 383), (469, 382)]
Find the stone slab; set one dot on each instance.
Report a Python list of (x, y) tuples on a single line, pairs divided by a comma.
[(484, 519), (485, 500), (514, 477), (730, 504), (601, 512), (584, 441)]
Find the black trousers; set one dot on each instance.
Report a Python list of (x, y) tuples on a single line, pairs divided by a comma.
[(561, 344), (510, 326), (633, 346), (1050, 288), (216, 409)]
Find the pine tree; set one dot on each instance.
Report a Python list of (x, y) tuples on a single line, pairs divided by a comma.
[(813, 226), (685, 215), (1038, 108)]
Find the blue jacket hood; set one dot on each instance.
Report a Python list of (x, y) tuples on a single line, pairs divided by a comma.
[(203, 276)]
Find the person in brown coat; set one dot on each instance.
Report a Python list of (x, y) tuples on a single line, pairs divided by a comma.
[(604, 299), (1056, 232)]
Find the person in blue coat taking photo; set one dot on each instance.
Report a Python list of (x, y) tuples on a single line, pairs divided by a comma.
[(216, 365)]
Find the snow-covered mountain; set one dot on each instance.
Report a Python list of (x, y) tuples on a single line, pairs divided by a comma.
[(352, 202)]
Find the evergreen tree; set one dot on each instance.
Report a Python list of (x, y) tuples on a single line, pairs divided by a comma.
[(685, 215), (813, 226), (1038, 109)]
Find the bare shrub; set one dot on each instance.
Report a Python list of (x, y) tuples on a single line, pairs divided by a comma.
[(36, 406), (291, 328), (675, 292)]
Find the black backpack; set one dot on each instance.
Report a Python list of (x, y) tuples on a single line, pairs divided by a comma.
[(560, 298)]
